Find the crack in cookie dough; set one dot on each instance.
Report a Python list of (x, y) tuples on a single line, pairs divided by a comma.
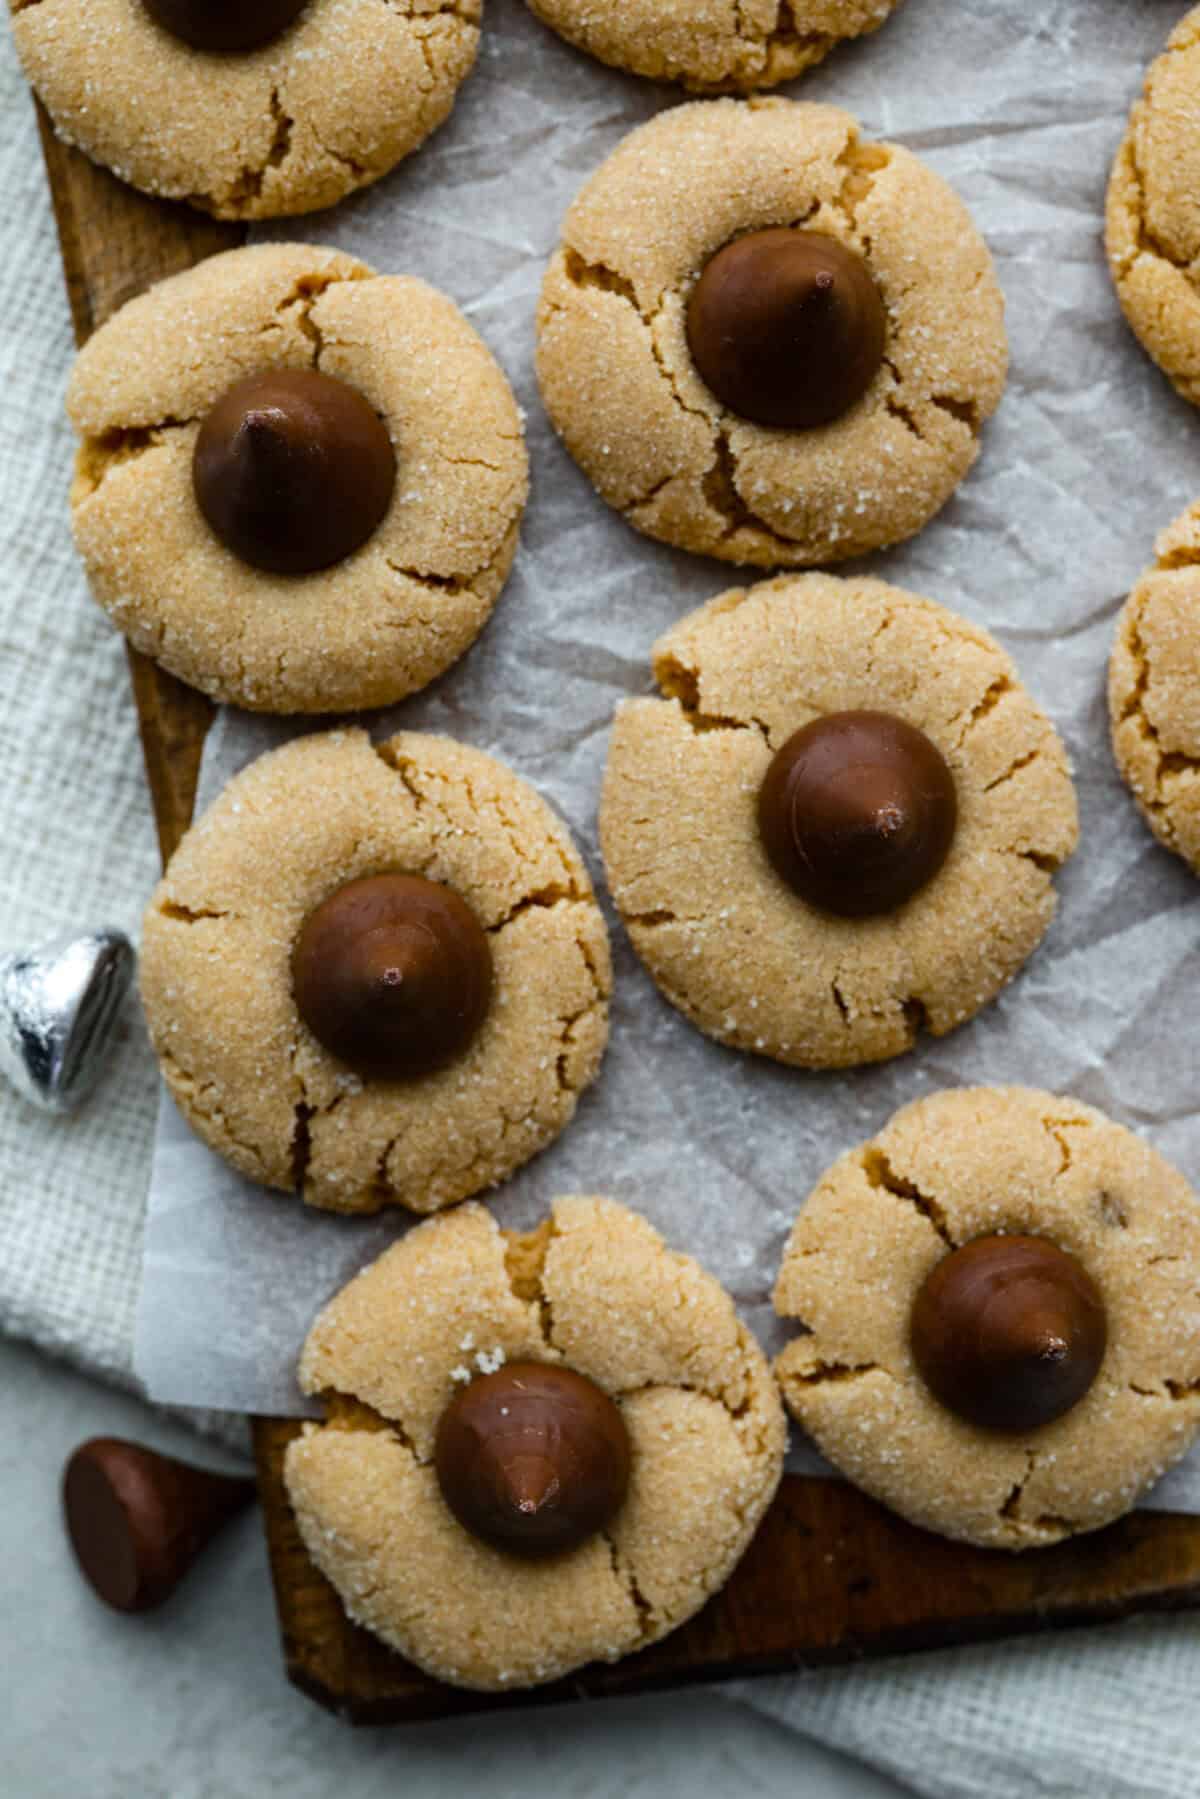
[(862, 163), (301, 1148), (379, 624), (595, 1287), (98, 456), (216, 972), (1011, 1509), (249, 185), (332, 104), (623, 1571), (432, 792), (819, 1373), (190, 914), (990, 1160), (880, 1173), (1153, 684), (713, 46), (200, 1101), (620, 385), (722, 936)]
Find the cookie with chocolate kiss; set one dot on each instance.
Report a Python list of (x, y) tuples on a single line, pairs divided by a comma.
[(994, 1302), (237, 503), (334, 1024), (816, 850), (246, 108), (745, 338), (712, 48), (539, 1449)]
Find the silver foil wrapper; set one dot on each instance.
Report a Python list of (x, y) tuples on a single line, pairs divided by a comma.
[(58, 1006)]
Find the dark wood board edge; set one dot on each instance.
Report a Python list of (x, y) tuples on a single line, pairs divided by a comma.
[(831, 1577), (115, 243)]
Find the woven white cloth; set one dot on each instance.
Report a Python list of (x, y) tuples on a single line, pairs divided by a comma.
[(1110, 1715), (75, 825)]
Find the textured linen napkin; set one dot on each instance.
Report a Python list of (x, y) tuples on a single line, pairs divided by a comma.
[(1111, 1715), (77, 843)]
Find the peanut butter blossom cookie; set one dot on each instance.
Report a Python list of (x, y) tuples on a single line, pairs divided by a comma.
[(248, 109), (299, 484), (768, 340), (376, 974), (538, 1451), (1000, 1313), (1153, 218), (713, 45), (1154, 690), (839, 824)]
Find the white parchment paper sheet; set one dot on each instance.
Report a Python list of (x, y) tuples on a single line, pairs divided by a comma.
[(1020, 106)]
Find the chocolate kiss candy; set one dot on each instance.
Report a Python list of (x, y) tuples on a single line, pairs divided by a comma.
[(1009, 1332), (857, 812), (393, 975), (58, 1006), (787, 327), (293, 470), (138, 1520), (224, 24), (533, 1459)]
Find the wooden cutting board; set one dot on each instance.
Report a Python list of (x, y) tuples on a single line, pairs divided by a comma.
[(831, 1576)]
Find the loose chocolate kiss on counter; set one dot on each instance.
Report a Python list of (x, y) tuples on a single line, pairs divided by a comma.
[(1009, 1332), (393, 975), (224, 25), (787, 327), (857, 812), (533, 1459), (59, 1006), (293, 470), (137, 1520)]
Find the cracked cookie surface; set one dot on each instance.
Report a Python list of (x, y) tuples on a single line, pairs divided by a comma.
[(1153, 212), (328, 107), (1154, 690), (384, 621), (618, 379), (946, 1170), (217, 989), (713, 46), (596, 1288), (726, 940)]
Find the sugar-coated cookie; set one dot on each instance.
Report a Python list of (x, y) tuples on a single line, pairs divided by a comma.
[(713, 46), (593, 1290), (619, 328), (822, 982), (1154, 690), (329, 103), (219, 959), (1089, 1243), (378, 622), (1153, 222)]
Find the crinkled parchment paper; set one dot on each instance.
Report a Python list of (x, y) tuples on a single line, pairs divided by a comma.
[(1020, 105)]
